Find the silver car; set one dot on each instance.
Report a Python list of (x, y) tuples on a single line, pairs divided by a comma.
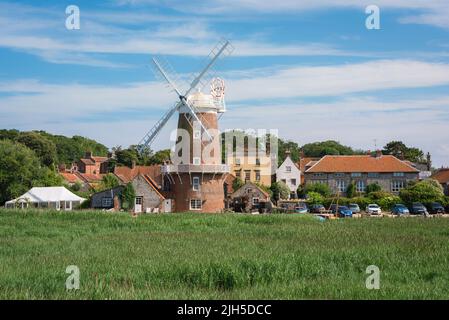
[(373, 209)]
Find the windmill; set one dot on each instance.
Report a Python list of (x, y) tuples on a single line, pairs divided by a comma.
[(196, 181), (221, 49)]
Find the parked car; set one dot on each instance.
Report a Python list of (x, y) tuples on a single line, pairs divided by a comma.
[(399, 209), (418, 208), (301, 208), (436, 208), (373, 209), (317, 208), (354, 207), (344, 212)]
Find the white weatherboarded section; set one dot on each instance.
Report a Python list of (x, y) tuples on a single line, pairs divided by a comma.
[(46, 197), (289, 173)]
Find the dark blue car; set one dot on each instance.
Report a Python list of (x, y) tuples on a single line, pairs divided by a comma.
[(344, 212), (399, 209)]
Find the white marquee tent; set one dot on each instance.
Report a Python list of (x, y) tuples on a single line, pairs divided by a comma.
[(58, 198)]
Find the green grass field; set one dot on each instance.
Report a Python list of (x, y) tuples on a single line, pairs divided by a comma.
[(205, 256)]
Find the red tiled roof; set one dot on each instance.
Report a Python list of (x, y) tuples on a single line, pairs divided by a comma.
[(361, 163), (126, 174), (87, 161), (303, 162), (442, 176), (91, 178), (70, 177)]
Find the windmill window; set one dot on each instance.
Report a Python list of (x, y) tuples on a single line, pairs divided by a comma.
[(196, 161), (256, 201), (106, 202), (196, 184), (288, 169), (195, 204)]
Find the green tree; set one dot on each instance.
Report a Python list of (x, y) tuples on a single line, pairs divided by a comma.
[(19, 169), (314, 198), (279, 190), (43, 147), (330, 147), (426, 191), (109, 181), (160, 156), (321, 188), (127, 157), (237, 184), (372, 187), (401, 151), (350, 190), (290, 146), (127, 197)]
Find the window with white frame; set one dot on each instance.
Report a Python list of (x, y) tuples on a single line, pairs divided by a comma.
[(255, 201), (238, 173), (195, 204), (339, 174), (257, 175), (360, 186), (356, 174), (288, 169), (319, 175), (397, 185), (373, 175), (293, 182), (341, 185), (196, 183), (247, 175), (398, 174), (196, 161), (237, 161)]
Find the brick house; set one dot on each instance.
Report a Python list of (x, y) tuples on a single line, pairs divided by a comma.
[(148, 198), (248, 197), (338, 172), (442, 176), (88, 171)]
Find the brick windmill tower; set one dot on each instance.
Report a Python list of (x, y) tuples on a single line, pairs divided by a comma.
[(194, 179)]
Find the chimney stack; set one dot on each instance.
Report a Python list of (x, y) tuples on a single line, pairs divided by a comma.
[(133, 164), (378, 153), (88, 154)]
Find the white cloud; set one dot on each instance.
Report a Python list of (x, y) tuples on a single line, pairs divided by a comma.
[(84, 109)]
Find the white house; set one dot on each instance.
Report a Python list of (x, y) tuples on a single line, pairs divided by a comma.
[(58, 198), (290, 174)]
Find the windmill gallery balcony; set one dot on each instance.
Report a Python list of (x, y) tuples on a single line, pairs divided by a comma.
[(202, 168)]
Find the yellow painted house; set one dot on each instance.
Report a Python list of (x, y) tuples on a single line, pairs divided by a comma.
[(253, 168)]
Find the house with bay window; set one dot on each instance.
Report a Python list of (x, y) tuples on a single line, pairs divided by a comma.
[(339, 172)]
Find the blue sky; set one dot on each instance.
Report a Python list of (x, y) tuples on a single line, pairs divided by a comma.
[(311, 70)]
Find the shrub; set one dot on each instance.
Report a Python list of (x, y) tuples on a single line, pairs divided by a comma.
[(320, 188), (386, 203), (377, 195), (350, 190), (127, 197), (237, 184), (372, 187), (426, 191), (279, 190), (314, 198)]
